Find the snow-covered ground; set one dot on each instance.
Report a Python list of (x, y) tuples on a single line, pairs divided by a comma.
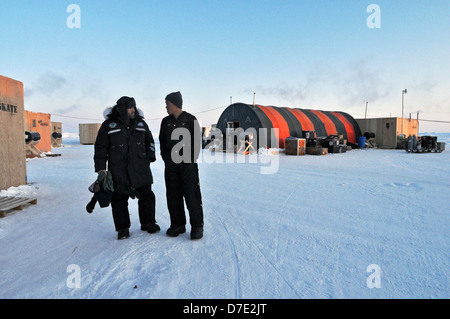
[(321, 227)]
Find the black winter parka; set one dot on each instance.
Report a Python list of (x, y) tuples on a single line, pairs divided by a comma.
[(125, 148), (180, 144)]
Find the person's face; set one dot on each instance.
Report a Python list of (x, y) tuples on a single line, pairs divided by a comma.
[(131, 112), (170, 107)]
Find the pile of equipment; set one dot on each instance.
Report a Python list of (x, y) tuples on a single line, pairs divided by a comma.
[(422, 144), (313, 145), (370, 140), (334, 143)]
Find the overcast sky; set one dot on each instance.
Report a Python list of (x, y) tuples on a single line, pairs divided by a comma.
[(325, 55)]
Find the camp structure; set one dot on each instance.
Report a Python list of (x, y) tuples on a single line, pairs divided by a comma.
[(389, 132), (12, 137), (290, 122), (38, 125), (88, 133), (56, 134)]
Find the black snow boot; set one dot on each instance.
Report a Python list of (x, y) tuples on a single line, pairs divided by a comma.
[(196, 232), (151, 228), (123, 233), (175, 231)]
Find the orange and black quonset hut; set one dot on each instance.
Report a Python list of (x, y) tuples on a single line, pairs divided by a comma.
[(291, 122)]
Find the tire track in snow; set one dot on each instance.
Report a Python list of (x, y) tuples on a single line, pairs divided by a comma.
[(115, 275), (237, 289), (104, 277), (252, 241), (278, 225), (253, 244)]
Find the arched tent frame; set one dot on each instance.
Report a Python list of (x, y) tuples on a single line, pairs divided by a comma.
[(290, 122)]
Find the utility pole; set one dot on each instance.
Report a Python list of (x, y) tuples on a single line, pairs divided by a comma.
[(417, 123), (403, 104), (365, 115)]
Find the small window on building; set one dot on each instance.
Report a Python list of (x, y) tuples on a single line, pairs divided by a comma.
[(388, 125)]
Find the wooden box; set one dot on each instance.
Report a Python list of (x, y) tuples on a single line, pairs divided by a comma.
[(295, 146)]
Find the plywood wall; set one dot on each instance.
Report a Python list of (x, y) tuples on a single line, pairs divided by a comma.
[(41, 123), (410, 127), (88, 133), (12, 134), (388, 129), (56, 127)]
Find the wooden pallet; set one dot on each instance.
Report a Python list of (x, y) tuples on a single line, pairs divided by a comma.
[(8, 203)]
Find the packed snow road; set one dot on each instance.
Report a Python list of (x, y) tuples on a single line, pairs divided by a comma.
[(363, 224)]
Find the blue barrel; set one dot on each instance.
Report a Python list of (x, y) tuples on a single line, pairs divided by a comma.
[(362, 142)]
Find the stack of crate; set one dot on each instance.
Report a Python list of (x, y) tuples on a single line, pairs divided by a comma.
[(314, 144), (335, 144)]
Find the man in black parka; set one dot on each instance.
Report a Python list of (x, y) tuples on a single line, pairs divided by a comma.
[(180, 141), (125, 147)]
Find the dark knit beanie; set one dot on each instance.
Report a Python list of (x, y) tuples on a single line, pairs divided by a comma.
[(127, 102), (176, 99)]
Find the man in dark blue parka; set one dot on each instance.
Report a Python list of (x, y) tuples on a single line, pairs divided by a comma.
[(125, 147)]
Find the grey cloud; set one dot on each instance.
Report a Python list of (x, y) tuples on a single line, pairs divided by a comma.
[(68, 109), (361, 84), (284, 91), (356, 84), (50, 82)]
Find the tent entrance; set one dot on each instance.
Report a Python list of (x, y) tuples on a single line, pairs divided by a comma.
[(234, 125), (232, 145)]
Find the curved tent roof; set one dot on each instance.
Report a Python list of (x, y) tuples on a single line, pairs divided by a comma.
[(289, 121)]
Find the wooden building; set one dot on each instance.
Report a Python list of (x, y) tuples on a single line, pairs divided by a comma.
[(56, 134), (88, 133), (388, 129), (41, 123), (12, 134)]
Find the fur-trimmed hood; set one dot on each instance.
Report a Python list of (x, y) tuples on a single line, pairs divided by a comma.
[(109, 110), (112, 112)]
